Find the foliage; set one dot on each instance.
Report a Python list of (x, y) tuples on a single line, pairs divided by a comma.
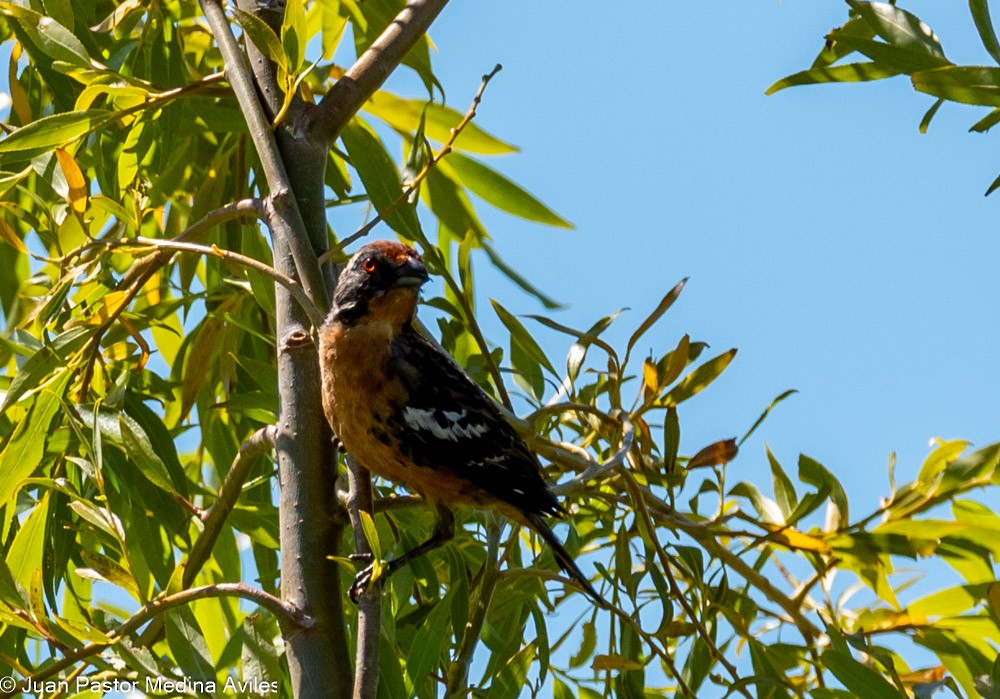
[(891, 41), (139, 398)]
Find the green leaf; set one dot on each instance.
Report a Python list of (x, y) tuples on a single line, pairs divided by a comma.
[(926, 121), (902, 58), (671, 440), (662, 307), (259, 657), (516, 277), (964, 84), (30, 375), (815, 474), (427, 646), (833, 51), (162, 444), (187, 644), (29, 545), (293, 33), (767, 411), (860, 679), (784, 490), (26, 446), (109, 571), (55, 40), (980, 10), (404, 114), (588, 643), (898, 27), (767, 509), (769, 671), (263, 37), (938, 460), (698, 379), (140, 448), (447, 200), (847, 73), (499, 191), (50, 131), (987, 122), (371, 535), (520, 336), (379, 175), (948, 602)]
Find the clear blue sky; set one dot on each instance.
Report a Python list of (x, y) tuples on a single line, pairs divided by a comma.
[(844, 254)]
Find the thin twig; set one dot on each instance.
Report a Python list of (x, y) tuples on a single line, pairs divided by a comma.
[(293, 287), (411, 186), (597, 470), (286, 614), (366, 664)]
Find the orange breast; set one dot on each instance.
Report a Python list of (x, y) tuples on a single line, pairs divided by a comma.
[(360, 393)]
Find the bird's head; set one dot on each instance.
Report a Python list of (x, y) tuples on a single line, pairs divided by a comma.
[(380, 283)]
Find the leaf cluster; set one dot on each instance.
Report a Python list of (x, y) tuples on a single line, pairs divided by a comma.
[(138, 399)]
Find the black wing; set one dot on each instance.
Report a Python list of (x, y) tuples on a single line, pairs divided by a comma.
[(448, 421)]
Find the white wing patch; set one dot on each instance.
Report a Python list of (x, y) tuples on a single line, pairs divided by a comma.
[(427, 421)]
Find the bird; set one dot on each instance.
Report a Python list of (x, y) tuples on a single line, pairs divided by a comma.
[(406, 411)]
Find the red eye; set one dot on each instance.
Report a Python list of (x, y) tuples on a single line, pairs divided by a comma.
[(369, 265)]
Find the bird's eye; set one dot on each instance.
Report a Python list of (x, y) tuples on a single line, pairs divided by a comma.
[(369, 265)]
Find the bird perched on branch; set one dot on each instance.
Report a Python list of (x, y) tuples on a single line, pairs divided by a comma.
[(406, 411)]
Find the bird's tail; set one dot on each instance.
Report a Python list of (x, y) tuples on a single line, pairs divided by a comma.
[(564, 560)]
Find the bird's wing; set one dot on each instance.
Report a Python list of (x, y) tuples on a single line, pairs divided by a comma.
[(448, 421)]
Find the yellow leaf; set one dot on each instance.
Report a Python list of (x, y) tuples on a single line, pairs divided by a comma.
[(794, 539), (75, 179), (650, 381), (614, 662), (18, 96), (8, 235)]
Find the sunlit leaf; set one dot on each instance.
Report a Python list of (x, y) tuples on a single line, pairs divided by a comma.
[(980, 10), (860, 679), (499, 191), (699, 379), (965, 84), (23, 451), (74, 179), (847, 73), (404, 114), (264, 38), (898, 27)]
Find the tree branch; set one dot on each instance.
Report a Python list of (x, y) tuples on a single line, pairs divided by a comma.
[(361, 80), (284, 218), (366, 670), (286, 614), (293, 287)]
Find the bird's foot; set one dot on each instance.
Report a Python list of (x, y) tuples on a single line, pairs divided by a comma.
[(371, 573)]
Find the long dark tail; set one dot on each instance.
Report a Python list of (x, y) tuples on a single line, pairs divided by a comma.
[(564, 560)]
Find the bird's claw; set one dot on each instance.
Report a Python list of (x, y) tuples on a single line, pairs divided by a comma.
[(363, 579)]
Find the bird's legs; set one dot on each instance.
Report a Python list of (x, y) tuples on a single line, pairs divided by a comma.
[(444, 531)]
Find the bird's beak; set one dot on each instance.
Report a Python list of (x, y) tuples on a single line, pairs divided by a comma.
[(411, 273)]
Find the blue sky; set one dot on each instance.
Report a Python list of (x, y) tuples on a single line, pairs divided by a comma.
[(845, 254)]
